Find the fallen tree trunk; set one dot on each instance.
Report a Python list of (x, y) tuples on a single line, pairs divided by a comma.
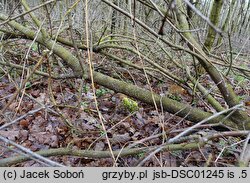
[(172, 106)]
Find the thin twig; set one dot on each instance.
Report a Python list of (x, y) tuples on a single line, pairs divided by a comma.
[(172, 140)]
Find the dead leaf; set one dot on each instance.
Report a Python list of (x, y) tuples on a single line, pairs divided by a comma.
[(121, 138), (11, 135), (24, 123), (176, 90), (99, 146)]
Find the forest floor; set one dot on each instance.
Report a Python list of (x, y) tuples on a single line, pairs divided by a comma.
[(46, 128)]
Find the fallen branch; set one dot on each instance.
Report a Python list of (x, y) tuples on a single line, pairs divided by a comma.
[(96, 154), (29, 153)]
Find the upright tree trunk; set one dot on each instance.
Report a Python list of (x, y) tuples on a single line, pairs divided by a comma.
[(215, 19), (244, 19), (113, 20), (226, 22)]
